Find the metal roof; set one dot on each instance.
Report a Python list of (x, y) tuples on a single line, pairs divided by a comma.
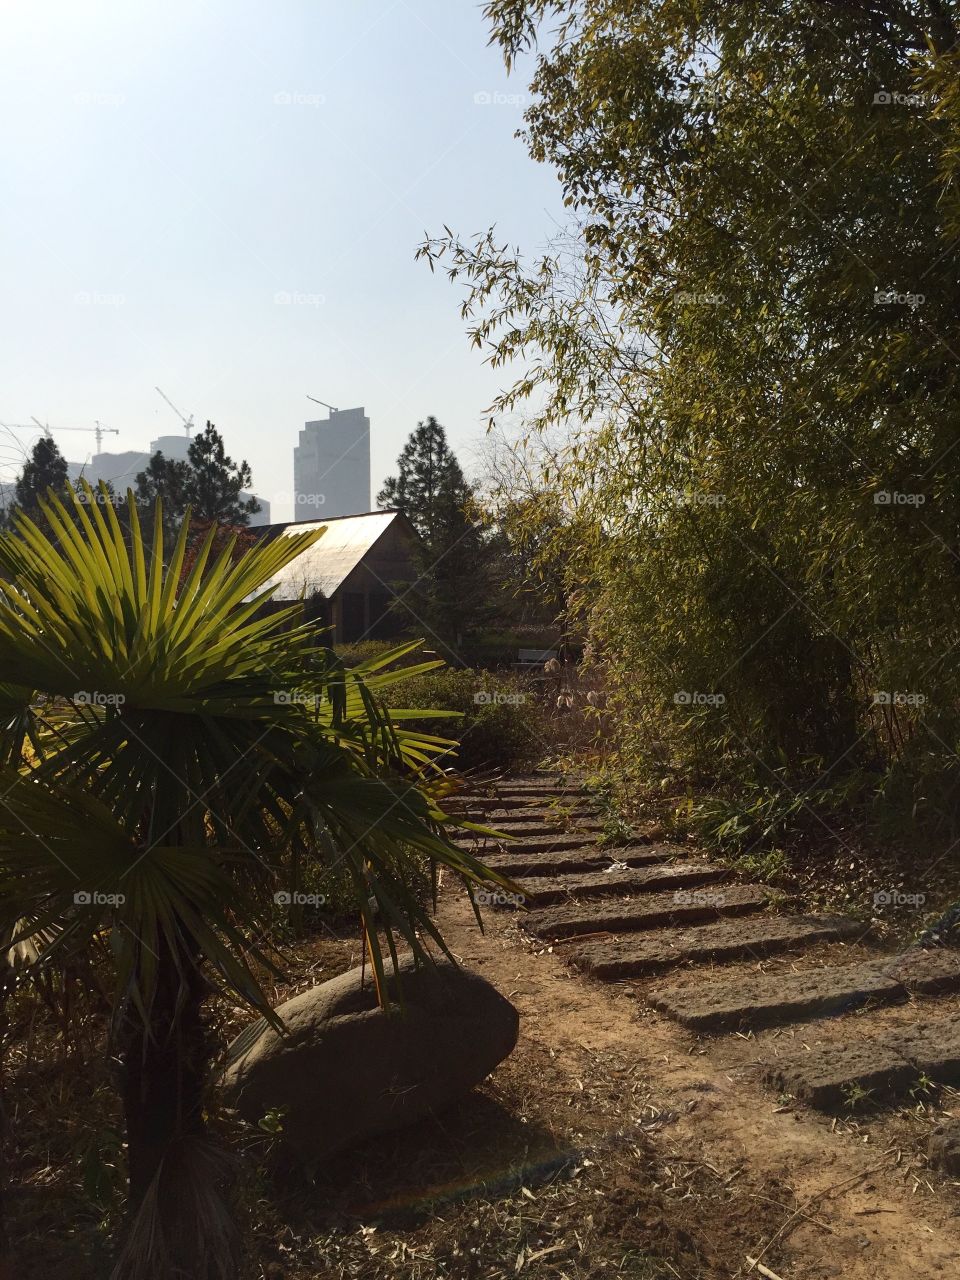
[(333, 557)]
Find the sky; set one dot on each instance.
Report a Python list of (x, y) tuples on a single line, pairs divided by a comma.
[(224, 198)]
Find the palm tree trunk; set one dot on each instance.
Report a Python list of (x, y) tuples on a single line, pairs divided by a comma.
[(164, 1071)]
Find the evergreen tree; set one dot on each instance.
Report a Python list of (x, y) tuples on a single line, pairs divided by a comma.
[(453, 594), (46, 468), (167, 479), (216, 481), (209, 482)]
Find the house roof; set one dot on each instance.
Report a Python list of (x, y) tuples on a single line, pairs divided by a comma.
[(333, 557)]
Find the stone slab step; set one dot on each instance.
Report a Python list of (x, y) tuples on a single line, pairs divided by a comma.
[(510, 819), (756, 1000), (544, 830), (542, 842), (651, 911), (589, 858), (842, 1072), (730, 939), (541, 891), (523, 799)]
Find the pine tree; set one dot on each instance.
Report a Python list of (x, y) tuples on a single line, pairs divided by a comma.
[(216, 481), (46, 468), (453, 594), (209, 482)]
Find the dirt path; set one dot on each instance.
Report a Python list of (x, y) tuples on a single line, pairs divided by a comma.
[(848, 1199)]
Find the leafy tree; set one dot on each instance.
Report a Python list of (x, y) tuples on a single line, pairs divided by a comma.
[(749, 331), (182, 786), (454, 592)]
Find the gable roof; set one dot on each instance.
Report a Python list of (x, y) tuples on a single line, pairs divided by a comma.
[(328, 563)]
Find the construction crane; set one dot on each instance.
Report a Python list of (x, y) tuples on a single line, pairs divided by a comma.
[(99, 431), (187, 422), (331, 407)]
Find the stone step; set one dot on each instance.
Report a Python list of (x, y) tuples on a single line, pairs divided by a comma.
[(545, 830), (541, 891), (652, 911), (766, 999), (517, 799), (589, 858), (841, 1072), (730, 939), (543, 844), (508, 819)]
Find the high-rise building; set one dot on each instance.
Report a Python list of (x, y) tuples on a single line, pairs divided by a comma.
[(331, 466)]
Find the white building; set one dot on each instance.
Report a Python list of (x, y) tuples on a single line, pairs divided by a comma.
[(331, 466)]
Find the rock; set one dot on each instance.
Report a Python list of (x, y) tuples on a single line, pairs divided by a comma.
[(346, 1069), (944, 1149)]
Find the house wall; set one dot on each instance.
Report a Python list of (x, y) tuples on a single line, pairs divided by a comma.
[(359, 609)]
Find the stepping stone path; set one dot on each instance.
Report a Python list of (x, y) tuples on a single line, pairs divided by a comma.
[(645, 909)]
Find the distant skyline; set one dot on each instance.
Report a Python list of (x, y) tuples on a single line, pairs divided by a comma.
[(225, 202)]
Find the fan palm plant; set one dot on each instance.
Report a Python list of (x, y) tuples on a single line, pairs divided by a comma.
[(200, 752)]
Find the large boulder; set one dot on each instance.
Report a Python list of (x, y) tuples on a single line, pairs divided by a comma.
[(346, 1069)]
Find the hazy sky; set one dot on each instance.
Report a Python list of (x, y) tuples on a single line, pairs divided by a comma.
[(171, 172)]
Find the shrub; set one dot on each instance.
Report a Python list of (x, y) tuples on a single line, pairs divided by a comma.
[(501, 721)]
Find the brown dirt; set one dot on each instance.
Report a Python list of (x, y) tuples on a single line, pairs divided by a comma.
[(869, 1209)]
